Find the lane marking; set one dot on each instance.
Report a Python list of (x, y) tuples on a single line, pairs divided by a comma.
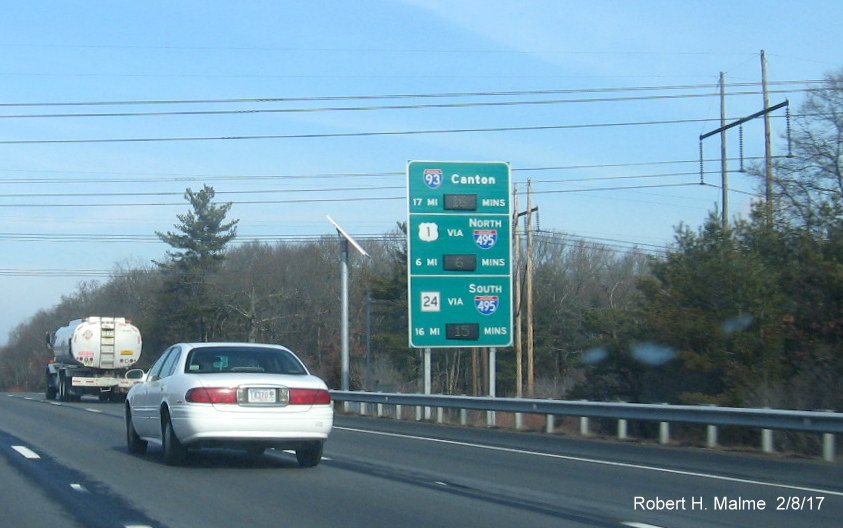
[(79, 487), (98, 411), (26, 452), (600, 462), (640, 525)]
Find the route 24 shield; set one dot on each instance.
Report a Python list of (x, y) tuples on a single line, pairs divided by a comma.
[(485, 238), (487, 304)]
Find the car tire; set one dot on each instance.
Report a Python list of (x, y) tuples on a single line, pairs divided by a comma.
[(133, 441), (174, 452), (310, 456)]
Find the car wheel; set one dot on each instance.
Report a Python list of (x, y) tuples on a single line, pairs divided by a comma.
[(309, 456), (174, 452), (133, 441)]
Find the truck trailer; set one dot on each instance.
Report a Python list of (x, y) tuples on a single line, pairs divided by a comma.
[(93, 356)]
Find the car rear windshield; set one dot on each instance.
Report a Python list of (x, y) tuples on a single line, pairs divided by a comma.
[(211, 360)]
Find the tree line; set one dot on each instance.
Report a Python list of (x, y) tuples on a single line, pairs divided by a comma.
[(749, 314)]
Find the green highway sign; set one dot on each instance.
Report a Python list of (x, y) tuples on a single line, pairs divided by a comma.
[(434, 236), (460, 254)]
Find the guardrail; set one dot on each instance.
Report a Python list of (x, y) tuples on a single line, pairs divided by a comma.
[(825, 423)]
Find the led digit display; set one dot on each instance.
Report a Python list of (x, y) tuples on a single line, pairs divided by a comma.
[(463, 331), (460, 202), (466, 262)]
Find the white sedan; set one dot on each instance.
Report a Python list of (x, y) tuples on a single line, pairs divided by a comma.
[(238, 395)]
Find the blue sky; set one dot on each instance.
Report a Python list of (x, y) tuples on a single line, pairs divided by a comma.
[(71, 211)]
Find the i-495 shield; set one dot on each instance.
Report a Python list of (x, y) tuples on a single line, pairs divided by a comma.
[(487, 304), (485, 238)]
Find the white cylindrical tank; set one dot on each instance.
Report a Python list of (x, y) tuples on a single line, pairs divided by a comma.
[(98, 342)]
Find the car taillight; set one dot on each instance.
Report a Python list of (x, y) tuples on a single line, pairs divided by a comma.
[(309, 397), (212, 395)]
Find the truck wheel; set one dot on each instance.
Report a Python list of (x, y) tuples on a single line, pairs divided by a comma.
[(174, 452), (50, 392), (67, 391), (133, 441)]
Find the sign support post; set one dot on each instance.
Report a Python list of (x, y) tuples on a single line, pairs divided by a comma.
[(427, 380), (491, 417)]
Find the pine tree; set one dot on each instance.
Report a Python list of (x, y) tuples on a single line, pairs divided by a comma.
[(186, 303)]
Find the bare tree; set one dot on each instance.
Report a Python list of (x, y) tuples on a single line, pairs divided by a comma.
[(809, 184)]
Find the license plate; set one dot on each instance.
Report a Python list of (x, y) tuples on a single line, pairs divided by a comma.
[(261, 395)]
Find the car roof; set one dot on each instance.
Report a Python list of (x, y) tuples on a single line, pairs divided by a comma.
[(230, 344)]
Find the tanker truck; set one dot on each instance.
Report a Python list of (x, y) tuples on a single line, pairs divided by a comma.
[(93, 356)]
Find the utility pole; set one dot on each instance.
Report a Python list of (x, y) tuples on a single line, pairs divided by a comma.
[(724, 164), (516, 295), (531, 389), (519, 306), (768, 145)]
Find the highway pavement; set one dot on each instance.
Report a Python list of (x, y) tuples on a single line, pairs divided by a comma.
[(66, 464)]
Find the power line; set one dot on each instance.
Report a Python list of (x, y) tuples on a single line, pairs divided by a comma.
[(607, 244), (171, 193), (151, 238), (630, 177), (598, 243), (321, 189), (263, 192), (381, 107), (401, 96), (178, 177), (351, 134), (358, 50), (97, 204), (358, 134), (53, 272), (187, 177), (182, 204), (623, 188)]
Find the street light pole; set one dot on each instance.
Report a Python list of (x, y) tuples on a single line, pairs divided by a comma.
[(345, 239), (344, 369)]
